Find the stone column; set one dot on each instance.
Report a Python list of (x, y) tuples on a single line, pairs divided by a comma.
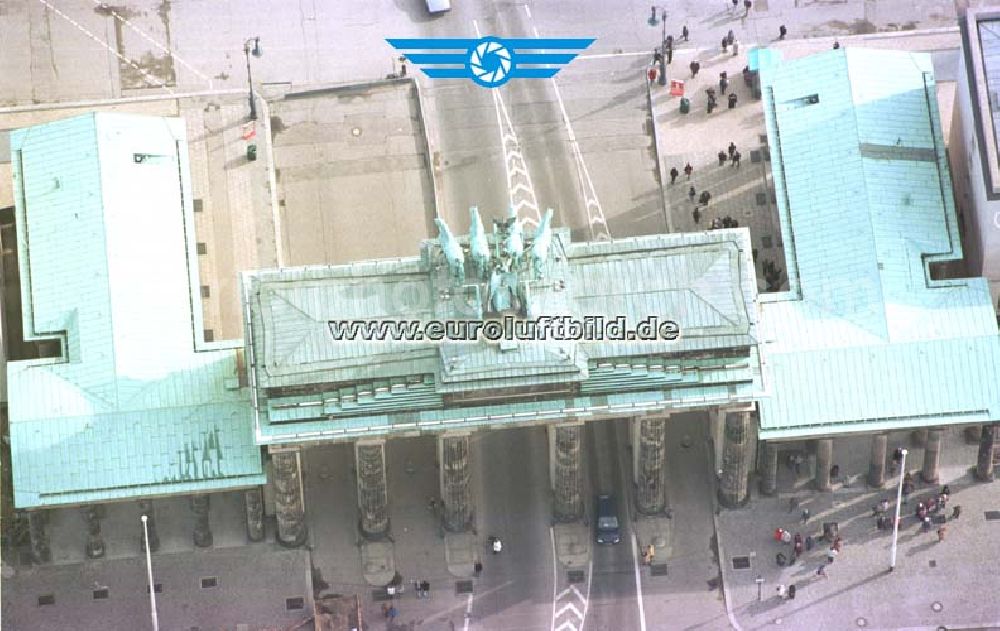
[(932, 456), (876, 470), (289, 504), (40, 550), (146, 508), (651, 494), (824, 456), (453, 454), (95, 541), (987, 443), (202, 532), (564, 470), (735, 482), (769, 469), (373, 491), (254, 502)]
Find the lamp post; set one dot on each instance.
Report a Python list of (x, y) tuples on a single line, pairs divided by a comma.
[(899, 501), (149, 573), (252, 47)]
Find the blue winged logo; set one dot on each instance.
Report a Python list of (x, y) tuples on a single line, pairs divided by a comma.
[(491, 61)]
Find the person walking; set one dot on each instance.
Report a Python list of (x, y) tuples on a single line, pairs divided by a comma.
[(732, 100), (941, 532), (696, 215), (747, 4), (691, 194), (805, 515), (685, 32), (705, 198), (732, 150), (723, 82), (657, 56), (736, 47), (821, 571), (799, 543), (673, 174), (736, 159), (836, 44), (695, 67), (782, 590), (838, 544), (722, 158), (735, 5), (725, 44), (477, 568), (956, 511), (782, 31), (688, 169), (730, 37), (831, 555)]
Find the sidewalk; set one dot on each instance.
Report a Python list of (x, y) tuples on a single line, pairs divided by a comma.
[(934, 583)]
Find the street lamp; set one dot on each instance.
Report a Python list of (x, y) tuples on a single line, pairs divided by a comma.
[(899, 501), (252, 46), (149, 572)]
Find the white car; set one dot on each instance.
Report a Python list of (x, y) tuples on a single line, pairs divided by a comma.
[(438, 6)]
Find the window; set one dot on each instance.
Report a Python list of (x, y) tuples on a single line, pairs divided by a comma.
[(202, 248), (205, 291)]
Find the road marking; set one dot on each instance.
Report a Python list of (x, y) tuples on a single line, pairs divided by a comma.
[(596, 221), (519, 187), (468, 614), (152, 41), (638, 583), (573, 611), (153, 80), (528, 11)]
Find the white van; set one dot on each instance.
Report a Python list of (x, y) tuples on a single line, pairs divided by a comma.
[(438, 6)]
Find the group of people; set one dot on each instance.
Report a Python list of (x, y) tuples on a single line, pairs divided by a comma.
[(733, 156), (801, 545)]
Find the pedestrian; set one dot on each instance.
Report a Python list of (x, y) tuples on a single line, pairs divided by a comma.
[(736, 159), (670, 54), (652, 15), (946, 490), (747, 4), (730, 37), (691, 194), (688, 169), (799, 544), (712, 103), (782, 31), (704, 198), (956, 511), (673, 174), (725, 44), (884, 505), (786, 537), (651, 74), (722, 158), (907, 489), (836, 44), (695, 67), (735, 4), (723, 82), (791, 592), (782, 590), (880, 523), (831, 555), (732, 100), (685, 33), (941, 532), (777, 534), (838, 544), (821, 571), (732, 150), (736, 47), (657, 56), (925, 525), (696, 215), (809, 543), (477, 567), (805, 515), (385, 610)]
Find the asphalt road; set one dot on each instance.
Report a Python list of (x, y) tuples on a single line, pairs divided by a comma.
[(613, 601), (510, 478)]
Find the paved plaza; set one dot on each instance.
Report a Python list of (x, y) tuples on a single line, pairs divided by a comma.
[(947, 584)]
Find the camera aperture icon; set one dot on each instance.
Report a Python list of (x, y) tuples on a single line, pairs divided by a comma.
[(490, 63)]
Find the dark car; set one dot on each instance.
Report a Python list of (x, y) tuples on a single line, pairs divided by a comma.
[(608, 530)]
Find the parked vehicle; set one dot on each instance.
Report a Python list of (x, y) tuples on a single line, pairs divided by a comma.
[(435, 7)]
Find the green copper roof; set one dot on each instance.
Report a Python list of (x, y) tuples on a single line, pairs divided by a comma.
[(311, 386), (137, 405), (865, 339)]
